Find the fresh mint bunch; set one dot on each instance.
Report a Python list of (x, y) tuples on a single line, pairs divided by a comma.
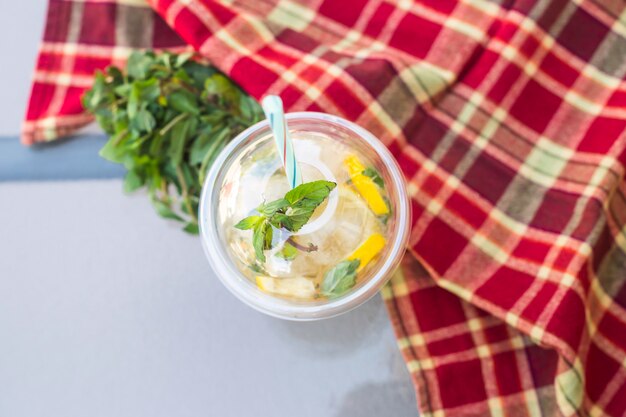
[(168, 117), (290, 212)]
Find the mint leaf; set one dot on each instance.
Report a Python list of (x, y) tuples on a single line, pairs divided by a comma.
[(262, 238), (132, 181), (184, 102), (303, 200), (191, 228), (165, 211), (182, 58), (298, 218), (148, 90), (340, 278), (139, 64), (111, 151), (249, 222), (258, 240), (180, 134), (288, 252), (375, 176), (268, 234), (310, 194), (280, 220), (269, 209), (143, 121)]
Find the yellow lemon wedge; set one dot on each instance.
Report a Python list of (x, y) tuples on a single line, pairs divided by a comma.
[(365, 186), (292, 287), (368, 250)]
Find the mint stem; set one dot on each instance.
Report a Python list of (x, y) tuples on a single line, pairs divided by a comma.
[(310, 248)]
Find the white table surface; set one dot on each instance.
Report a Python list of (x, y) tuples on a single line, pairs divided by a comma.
[(107, 310)]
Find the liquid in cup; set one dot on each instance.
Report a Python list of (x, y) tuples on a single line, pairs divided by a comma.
[(365, 217)]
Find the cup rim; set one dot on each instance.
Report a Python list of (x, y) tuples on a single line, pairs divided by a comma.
[(230, 276)]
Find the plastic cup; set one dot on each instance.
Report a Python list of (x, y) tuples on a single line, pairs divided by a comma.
[(256, 143)]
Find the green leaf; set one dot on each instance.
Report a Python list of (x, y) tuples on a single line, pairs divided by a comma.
[(104, 117), (262, 238), (310, 194), (190, 175), (138, 65), (182, 58), (180, 134), (375, 176), (120, 121), (250, 108), (200, 147), (198, 72), (111, 151), (148, 90), (123, 90), (288, 252), (249, 222), (165, 211), (94, 97), (339, 279), (191, 228), (165, 58), (143, 121), (280, 220), (258, 240), (134, 103), (218, 144), (184, 102), (183, 77), (219, 85), (132, 181), (268, 235), (156, 180), (297, 218), (268, 209)]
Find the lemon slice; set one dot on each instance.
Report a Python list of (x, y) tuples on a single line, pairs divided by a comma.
[(292, 287), (352, 223), (365, 186), (368, 250)]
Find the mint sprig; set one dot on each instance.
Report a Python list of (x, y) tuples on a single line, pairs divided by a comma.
[(291, 212), (168, 117)]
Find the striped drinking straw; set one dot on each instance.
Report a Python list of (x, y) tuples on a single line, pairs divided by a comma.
[(273, 108)]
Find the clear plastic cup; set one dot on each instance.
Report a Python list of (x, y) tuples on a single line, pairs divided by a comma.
[(241, 178)]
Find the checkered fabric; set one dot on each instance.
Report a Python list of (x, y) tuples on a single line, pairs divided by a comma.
[(508, 120), (509, 123), (81, 36)]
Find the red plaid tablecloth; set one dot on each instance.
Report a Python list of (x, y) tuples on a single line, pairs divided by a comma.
[(509, 121)]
